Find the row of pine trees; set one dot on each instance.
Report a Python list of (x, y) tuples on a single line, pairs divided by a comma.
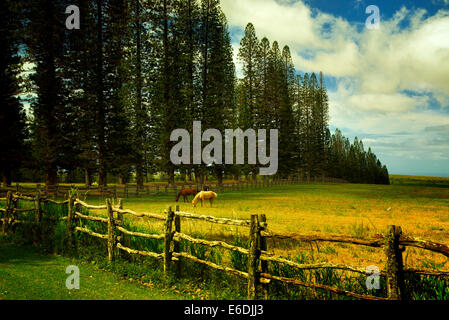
[(102, 101), (272, 94)]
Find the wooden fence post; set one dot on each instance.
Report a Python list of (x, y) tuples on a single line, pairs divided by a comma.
[(167, 241), (111, 237), (122, 235), (38, 206), (7, 212), (394, 265), (69, 218), (177, 243), (37, 216), (263, 247), (253, 257), (14, 209)]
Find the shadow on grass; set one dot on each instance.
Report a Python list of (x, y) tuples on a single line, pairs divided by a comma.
[(22, 254)]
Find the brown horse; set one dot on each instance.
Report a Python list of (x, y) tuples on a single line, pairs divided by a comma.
[(185, 193)]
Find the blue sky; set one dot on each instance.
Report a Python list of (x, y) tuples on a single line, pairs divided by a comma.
[(387, 86), (354, 10)]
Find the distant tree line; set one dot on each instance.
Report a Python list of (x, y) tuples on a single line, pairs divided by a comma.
[(101, 101)]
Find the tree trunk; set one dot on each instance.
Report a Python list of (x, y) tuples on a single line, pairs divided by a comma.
[(171, 176), (101, 120), (139, 176), (199, 175), (139, 83), (254, 174), (189, 175), (102, 176), (7, 180), (220, 176), (51, 174), (87, 177)]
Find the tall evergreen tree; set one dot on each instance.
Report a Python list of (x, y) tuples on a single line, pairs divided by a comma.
[(263, 116), (287, 153), (118, 134), (187, 15), (12, 115), (45, 44), (249, 55)]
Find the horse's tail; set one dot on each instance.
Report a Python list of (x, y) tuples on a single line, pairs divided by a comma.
[(179, 194)]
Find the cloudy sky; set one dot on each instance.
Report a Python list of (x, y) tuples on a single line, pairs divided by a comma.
[(388, 86)]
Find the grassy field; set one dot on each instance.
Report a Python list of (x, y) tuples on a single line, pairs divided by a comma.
[(415, 204), (422, 181), (27, 274), (347, 209)]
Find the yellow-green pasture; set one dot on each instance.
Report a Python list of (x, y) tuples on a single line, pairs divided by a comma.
[(341, 209)]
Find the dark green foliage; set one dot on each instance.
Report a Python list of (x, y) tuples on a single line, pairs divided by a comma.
[(105, 99), (12, 115), (272, 95), (352, 163)]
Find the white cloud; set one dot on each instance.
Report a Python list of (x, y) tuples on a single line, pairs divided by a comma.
[(374, 69), (379, 61)]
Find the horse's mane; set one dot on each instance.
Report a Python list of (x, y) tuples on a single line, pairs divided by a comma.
[(195, 199)]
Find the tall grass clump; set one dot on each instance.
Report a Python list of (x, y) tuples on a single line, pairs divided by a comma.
[(427, 287)]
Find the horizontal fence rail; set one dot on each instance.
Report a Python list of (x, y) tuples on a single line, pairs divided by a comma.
[(257, 273), (242, 223)]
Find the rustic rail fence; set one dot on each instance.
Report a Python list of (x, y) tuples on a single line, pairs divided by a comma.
[(393, 243), (132, 190)]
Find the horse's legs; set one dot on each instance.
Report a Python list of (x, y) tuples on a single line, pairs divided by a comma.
[(211, 201), (202, 202)]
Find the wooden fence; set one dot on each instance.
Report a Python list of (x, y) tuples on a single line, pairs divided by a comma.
[(257, 273), (131, 190)]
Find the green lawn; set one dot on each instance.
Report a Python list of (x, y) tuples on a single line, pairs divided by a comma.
[(26, 274)]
